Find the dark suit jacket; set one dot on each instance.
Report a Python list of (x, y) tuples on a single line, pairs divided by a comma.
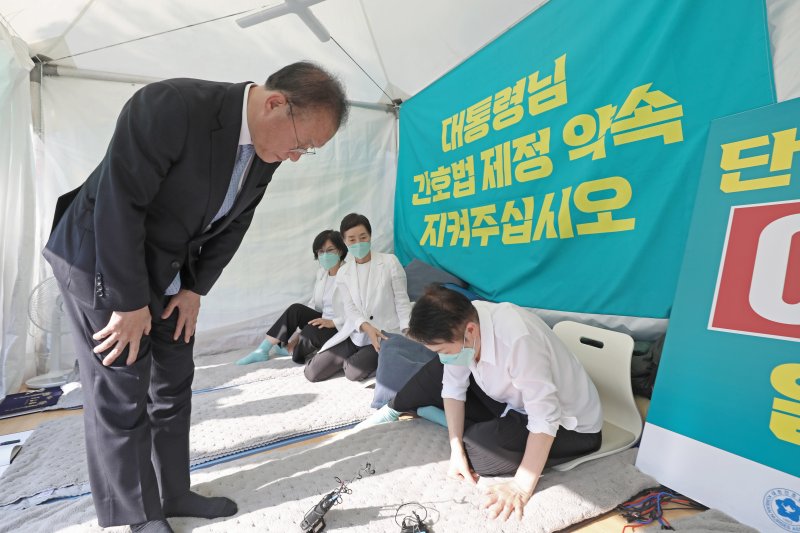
[(140, 216)]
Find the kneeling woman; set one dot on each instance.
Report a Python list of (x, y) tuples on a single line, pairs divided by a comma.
[(375, 298), (317, 320), (514, 396)]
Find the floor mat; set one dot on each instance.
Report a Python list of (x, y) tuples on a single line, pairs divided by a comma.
[(275, 490), (224, 422), (220, 370)]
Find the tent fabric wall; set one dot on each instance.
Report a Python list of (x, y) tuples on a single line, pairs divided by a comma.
[(403, 50), (17, 209)]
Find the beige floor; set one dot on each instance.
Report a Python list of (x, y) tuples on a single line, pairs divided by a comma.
[(611, 522)]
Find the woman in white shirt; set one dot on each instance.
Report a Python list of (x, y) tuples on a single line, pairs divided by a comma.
[(375, 299), (316, 321), (514, 396)]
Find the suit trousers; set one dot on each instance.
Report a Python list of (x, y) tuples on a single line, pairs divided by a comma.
[(494, 444), (311, 338), (358, 362), (136, 417)]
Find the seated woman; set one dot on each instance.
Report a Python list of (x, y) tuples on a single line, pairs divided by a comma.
[(317, 320), (514, 396), (373, 293)]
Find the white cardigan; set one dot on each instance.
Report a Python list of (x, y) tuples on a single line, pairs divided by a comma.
[(385, 304)]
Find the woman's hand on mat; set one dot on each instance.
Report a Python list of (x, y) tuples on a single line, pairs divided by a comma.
[(502, 499), (188, 305), (459, 467), (322, 323), (124, 328), (375, 335)]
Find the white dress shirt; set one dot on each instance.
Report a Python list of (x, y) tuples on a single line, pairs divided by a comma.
[(328, 311), (525, 365)]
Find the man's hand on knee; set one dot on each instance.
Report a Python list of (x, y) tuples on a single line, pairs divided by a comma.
[(124, 328), (188, 305)]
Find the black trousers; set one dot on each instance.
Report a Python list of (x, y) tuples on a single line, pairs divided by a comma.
[(494, 444), (136, 417), (311, 337), (358, 362)]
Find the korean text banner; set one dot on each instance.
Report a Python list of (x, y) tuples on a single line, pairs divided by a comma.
[(556, 168), (727, 398)]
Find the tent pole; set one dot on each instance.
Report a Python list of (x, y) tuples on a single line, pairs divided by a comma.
[(37, 115), (71, 72)]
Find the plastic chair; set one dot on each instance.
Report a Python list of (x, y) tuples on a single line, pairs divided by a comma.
[(606, 356)]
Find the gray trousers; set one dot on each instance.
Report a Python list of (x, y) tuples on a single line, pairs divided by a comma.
[(358, 362), (136, 417)]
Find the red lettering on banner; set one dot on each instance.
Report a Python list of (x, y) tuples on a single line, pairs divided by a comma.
[(758, 292)]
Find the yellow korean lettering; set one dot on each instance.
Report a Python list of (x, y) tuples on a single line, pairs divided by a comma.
[(496, 166), (453, 132), (464, 177), (659, 118), (605, 223), (529, 167), (484, 225), (785, 419), (434, 230), (549, 92), (422, 196), (458, 227), (732, 160), (785, 146), (476, 125), (440, 183), (517, 233), (580, 131)]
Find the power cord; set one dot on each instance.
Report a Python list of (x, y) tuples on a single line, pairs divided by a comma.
[(413, 523), (648, 506)]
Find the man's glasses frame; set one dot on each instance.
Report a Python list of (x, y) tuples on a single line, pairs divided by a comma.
[(299, 150)]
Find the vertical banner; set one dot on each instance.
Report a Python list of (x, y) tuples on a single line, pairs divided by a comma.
[(724, 422), (556, 168)]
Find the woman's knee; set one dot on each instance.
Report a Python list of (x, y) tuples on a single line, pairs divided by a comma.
[(353, 373), (295, 307)]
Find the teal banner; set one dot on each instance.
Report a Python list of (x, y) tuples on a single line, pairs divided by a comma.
[(730, 371), (557, 167)]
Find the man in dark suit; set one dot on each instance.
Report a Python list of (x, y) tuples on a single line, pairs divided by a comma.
[(138, 244)]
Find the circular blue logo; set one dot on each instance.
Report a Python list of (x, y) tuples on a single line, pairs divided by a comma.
[(783, 508)]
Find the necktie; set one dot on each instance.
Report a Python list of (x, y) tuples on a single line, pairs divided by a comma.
[(243, 157)]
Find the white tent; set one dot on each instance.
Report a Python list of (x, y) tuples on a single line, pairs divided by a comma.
[(91, 55)]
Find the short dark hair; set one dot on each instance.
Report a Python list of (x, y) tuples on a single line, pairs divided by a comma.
[(336, 239), (352, 220), (309, 86), (440, 315)]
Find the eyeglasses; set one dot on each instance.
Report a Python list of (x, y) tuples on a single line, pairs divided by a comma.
[(298, 150)]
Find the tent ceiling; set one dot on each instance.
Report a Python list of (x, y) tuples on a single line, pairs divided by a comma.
[(402, 51)]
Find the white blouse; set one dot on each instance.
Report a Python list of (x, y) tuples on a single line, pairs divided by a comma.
[(327, 297), (525, 365)]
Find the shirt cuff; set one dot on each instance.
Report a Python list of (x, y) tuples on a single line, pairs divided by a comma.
[(541, 426), (454, 393)]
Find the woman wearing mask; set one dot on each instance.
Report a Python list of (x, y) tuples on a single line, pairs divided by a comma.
[(318, 320), (375, 299)]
